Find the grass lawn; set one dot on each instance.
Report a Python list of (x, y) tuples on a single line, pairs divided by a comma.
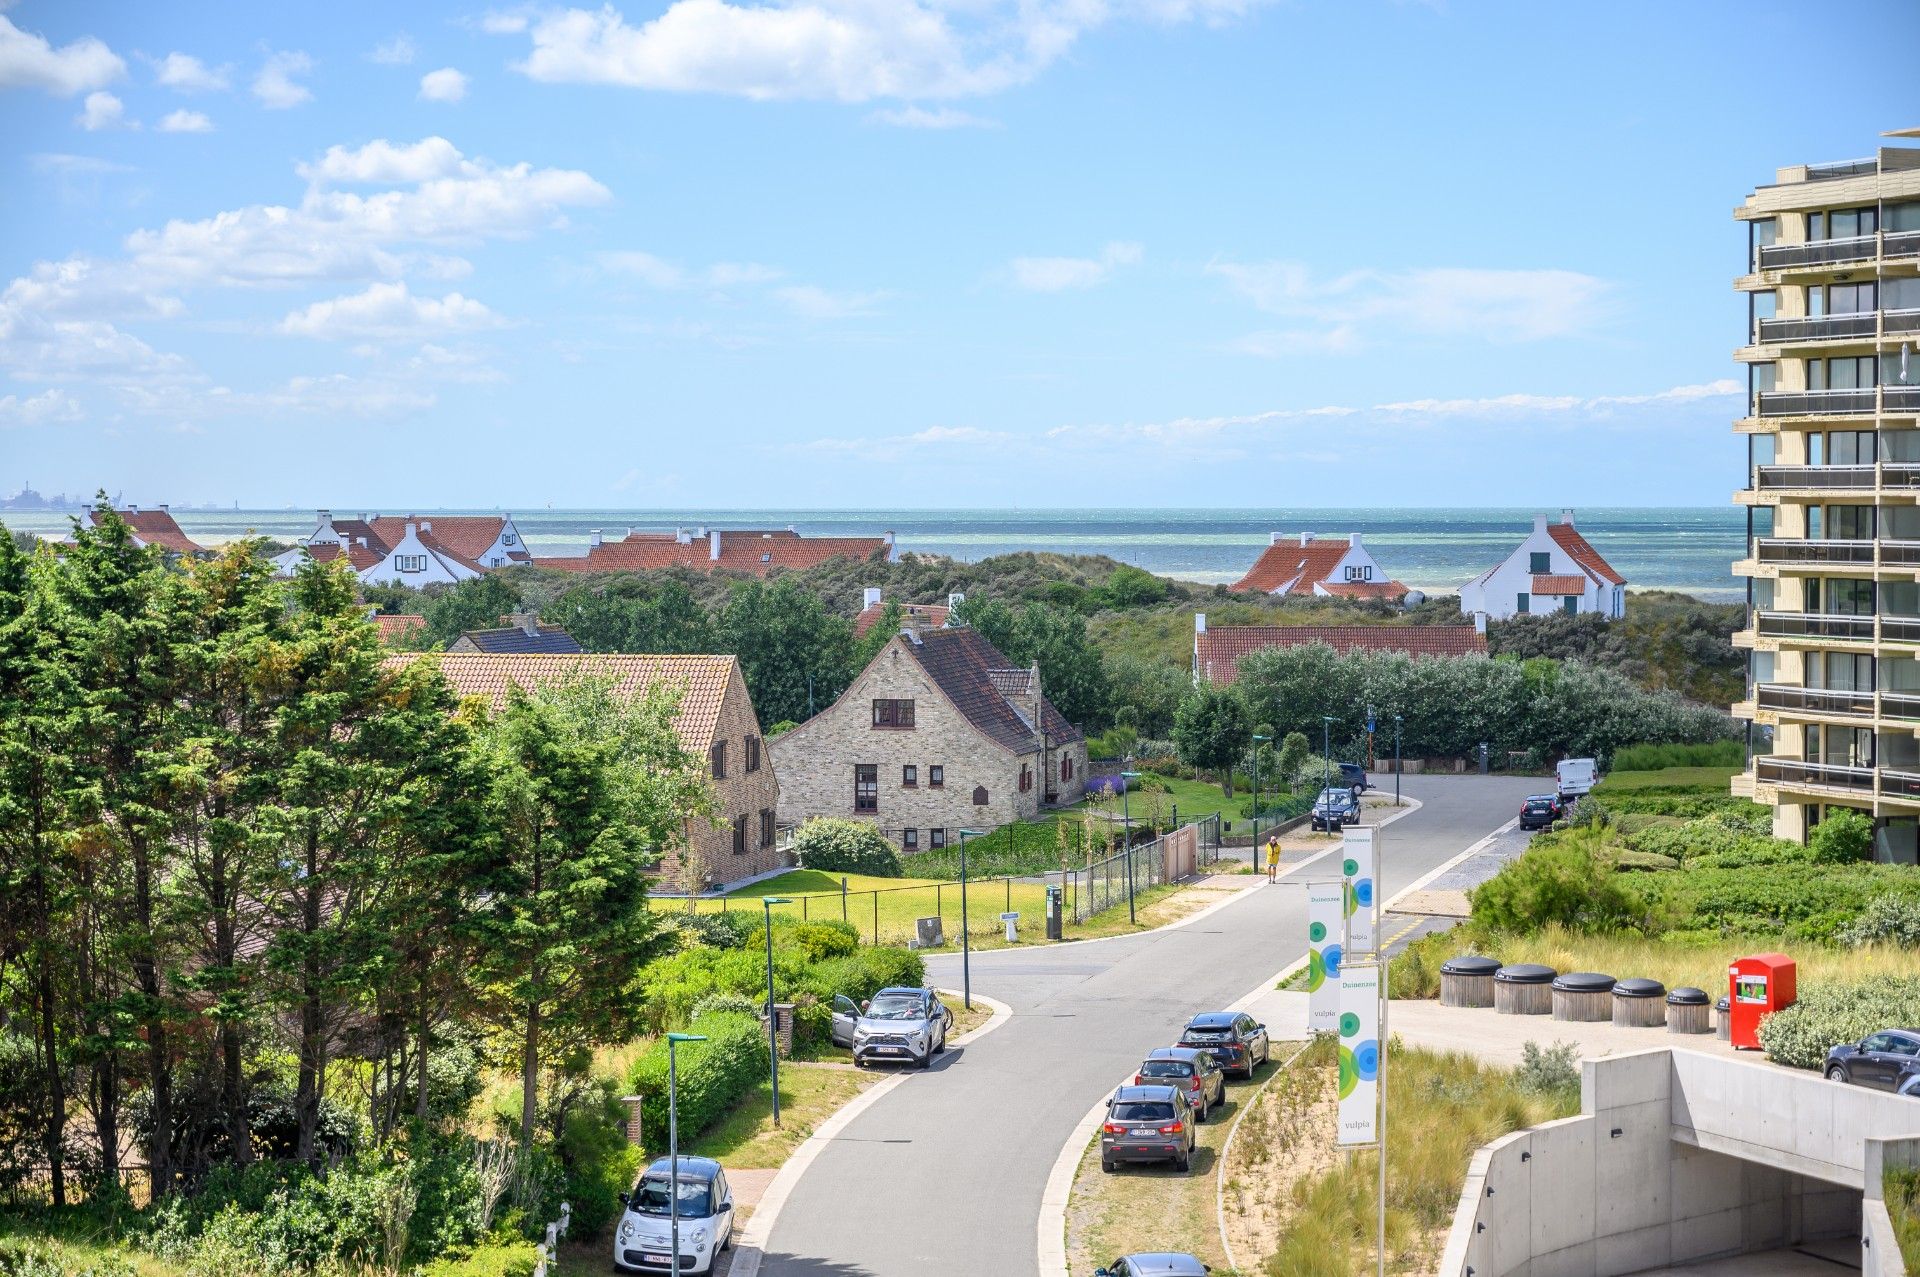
[(81, 1253), (1154, 1207), (746, 1137), (1711, 781)]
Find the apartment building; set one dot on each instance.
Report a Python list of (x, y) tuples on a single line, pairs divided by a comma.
[(1832, 429)]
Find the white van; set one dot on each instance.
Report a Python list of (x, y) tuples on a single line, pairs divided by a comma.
[(1576, 777)]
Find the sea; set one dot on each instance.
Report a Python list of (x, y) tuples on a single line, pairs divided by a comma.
[(1685, 548)]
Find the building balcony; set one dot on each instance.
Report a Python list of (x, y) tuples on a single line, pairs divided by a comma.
[(1820, 252), (1900, 244), (1815, 403), (1815, 627), (1862, 326), (1813, 702), (1801, 773), (1815, 478), (1797, 553)]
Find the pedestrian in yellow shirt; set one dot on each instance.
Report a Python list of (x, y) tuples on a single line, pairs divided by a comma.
[(1273, 857)]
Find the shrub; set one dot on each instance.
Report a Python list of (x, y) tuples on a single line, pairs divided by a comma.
[(1829, 1014), (496, 1259), (24, 1258), (713, 1075), (1559, 881), (820, 941), (598, 1162), (726, 1002), (845, 846), (1652, 758), (1842, 837), (1649, 861), (1889, 919), (729, 930), (1548, 1070), (1900, 1188)]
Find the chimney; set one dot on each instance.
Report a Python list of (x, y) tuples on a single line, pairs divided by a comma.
[(869, 597), (713, 545), (890, 547), (527, 623), (1353, 539), (1199, 622), (955, 599), (1306, 538), (1566, 517), (361, 542), (132, 508), (164, 508), (1539, 523), (1034, 703), (910, 634), (411, 529), (593, 537), (1273, 538), (426, 525)]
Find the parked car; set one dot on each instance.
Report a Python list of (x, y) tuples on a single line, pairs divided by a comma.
[(1189, 1068), (643, 1241), (1163, 1263), (1576, 777), (1541, 810), (1888, 1061), (1236, 1040), (1334, 809), (898, 1024), (1147, 1124), (1356, 777)]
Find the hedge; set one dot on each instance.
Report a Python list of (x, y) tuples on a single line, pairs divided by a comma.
[(845, 847), (503, 1259), (1828, 1014), (712, 1076), (863, 974)]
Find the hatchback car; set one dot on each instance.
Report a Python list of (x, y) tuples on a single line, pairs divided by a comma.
[(1887, 1061), (1356, 777), (643, 1241), (1164, 1263), (907, 1026), (1237, 1041), (1540, 811), (1189, 1068), (1147, 1124), (1334, 809)]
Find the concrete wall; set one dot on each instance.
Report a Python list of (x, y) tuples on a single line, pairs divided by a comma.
[(1879, 1250), (1676, 1157)]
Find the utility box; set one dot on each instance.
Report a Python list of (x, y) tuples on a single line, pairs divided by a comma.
[(928, 933), (1054, 921), (1757, 986)]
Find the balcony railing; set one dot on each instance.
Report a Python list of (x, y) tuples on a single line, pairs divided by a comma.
[(1842, 168), (1815, 625), (1900, 474), (1794, 771), (1841, 553), (1902, 785), (1900, 244), (1819, 252), (1820, 327), (1826, 478), (1900, 705), (1900, 554), (1813, 700), (1896, 398), (1900, 629), (1803, 403), (1900, 321)]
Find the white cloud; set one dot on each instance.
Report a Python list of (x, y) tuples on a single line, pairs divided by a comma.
[(188, 74), (656, 272), (834, 50), (38, 410), (102, 111), (920, 117), (277, 84), (1491, 305), (445, 85), (184, 121), (75, 165), (28, 61), (503, 23), (1056, 274), (932, 438), (397, 52), (381, 163), (811, 302), (389, 311)]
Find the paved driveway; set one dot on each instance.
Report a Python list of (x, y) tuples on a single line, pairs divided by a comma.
[(944, 1175)]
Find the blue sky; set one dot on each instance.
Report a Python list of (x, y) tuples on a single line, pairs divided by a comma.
[(839, 253)]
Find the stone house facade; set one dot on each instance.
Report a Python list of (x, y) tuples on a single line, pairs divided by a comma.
[(716, 721), (939, 733)]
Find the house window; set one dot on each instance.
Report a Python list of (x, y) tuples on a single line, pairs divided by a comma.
[(718, 756), (866, 787), (909, 776), (753, 753), (1066, 767), (766, 826), (893, 714), (979, 795), (1026, 778), (1539, 561), (909, 840), (1522, 604), (1570, 604), (508, 539), (410, 562), (740, 834), (936, 775), (936, 838)]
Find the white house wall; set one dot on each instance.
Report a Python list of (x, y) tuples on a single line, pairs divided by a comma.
[(1497, 595)]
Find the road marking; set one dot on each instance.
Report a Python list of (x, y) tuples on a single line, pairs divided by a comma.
[(1474, 850), (1395, 939)]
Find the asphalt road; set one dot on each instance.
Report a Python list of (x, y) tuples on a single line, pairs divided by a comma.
[(944, 1175)]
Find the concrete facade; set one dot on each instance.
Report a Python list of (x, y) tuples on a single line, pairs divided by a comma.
[(1675, 1157)]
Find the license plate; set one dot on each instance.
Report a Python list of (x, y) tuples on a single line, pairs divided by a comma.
[(652, 1257), (891, 1050)]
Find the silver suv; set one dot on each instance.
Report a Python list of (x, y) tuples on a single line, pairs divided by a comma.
[(1147, 1124), (898, 1024)]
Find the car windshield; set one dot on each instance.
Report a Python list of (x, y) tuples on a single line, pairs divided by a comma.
[(1166, 1068), (1208, 1031), (651, 1197), (895, 1009), (1142, 1111), (1539, 804)]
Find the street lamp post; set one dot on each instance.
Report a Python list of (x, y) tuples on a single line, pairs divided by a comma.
[(673, 1143), (1258, 740), (1326, 751), (1126, 835), (1397, 722), (773, 1025), (966, 945)]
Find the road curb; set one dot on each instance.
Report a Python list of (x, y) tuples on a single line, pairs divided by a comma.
[(753, 1238), (1226, 1154)]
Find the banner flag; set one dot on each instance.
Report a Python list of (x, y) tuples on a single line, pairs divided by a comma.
[(1360, 1049), (1323, 955), (1358, 869)]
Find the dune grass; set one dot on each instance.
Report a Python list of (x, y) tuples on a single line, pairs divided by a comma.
[(1901, 1188), (1707, 781)]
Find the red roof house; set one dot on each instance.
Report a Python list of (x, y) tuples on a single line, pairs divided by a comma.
[(1217, 651), (1326, 567), (755, 553)]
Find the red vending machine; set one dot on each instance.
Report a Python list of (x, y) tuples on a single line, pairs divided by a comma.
[(1757, 986)]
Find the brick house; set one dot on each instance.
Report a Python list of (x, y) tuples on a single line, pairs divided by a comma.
[(939, 733), (716, 721)]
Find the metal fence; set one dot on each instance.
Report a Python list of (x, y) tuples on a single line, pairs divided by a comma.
[(1108, 883)]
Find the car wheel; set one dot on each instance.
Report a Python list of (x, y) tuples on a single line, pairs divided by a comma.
[(926, 1061), (859, 1063), (1184, 1164), (1106, 1165), (1836, 1074)]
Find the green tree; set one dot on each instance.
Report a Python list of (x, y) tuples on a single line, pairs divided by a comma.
[(1295, 750), (845, 846), (795, 655), (1842, 837), (477, 603), (634, 614), (1147, 689), (1129, 586), (1071, 668), (1210, 730)]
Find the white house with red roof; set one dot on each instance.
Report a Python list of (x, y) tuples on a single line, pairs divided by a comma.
[(154, 527), (412, 551), (1323, 567), (1554, 570)]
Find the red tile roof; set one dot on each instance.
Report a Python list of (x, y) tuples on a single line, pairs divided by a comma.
[(753, 552), (1562, 584), (396, 626), (156, 527), (1219, 649), (465, 536), (358, 529), (1287, 561), (1567, 538), (1365, 589), (984, 686), (359, 556), (921, 616)]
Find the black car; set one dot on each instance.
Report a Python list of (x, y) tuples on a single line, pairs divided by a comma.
[(1356, 777), (1234, 1038), (1541, 810), (1887, 1061)]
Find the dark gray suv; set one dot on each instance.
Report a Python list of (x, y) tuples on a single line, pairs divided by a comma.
[(1189, 1068), (1147, 1124)]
